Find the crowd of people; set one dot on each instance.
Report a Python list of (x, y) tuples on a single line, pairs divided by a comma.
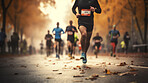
[(15, 45), (85, 15)]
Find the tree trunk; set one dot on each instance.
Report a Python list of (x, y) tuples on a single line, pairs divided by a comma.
[(145, 26), (4, 21), (139, 29)]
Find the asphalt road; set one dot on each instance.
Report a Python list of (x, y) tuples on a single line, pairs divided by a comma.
[(42, 69)]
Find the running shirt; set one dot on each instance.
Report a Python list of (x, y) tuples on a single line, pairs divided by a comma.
[(58, 32), (70, 32), (113, 34), (97, 39), (126, 38), (84, 10), (48, 38)]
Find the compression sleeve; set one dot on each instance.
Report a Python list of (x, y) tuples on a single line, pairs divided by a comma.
[(97, 6), (119, 33), (76, 29), (62, 31), (74, 7), (66, 30), (109, 32), (53, 30), (101, 38)]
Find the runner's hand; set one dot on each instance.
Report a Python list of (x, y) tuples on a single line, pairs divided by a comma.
[(73, 29), (77, 15), (92, 9)]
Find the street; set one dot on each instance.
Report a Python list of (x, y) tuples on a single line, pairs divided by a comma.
[(42, 69)]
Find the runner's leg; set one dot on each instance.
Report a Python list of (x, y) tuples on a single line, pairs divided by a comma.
[(87, 42), (59, 47), (83, 37)]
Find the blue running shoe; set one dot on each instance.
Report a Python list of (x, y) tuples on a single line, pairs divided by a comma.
[(85, 59), (56, 55), (82, 55)]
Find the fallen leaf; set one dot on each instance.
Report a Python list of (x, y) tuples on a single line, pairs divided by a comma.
[(78, 76), (24, 66), (74, 68), (103, 62), (122, 64), (95, 75), (15, 73), (59, 73), (107, 71), (37, 65), (109, 63), (49, 78), (55, 70), (133, 69), (102, 76), (77, 59), (132, 62), (82, 72), (77, 80)]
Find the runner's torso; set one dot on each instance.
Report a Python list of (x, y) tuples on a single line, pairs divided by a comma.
[(114, 34), (70, 32), (58, 33), (85, 12), (97, 39)]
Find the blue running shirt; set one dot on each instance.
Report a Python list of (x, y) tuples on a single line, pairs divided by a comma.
[(113, 34), (58, 32)]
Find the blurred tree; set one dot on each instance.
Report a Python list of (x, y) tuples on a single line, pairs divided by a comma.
[(146, 22), (4, 10)]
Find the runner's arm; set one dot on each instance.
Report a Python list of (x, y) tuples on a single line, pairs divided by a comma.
[(76, 30), (118, 34), (74, 7), (109, 33), (62, 31), (53, 31), (97, 7), (101, 39), (66, 30)]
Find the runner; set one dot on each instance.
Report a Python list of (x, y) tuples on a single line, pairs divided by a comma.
[(41, 47), (57, 34), (126, 40), (97, 39), (48, 39), (70, 30), (85, 17), (114, 35)]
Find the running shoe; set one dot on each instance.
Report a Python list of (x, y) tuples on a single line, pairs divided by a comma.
[(111, 54), (114, 55), (57, 56), (70, 56), (83, 57)]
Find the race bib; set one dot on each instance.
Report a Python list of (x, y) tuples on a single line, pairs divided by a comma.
[(97, 41), (85, 12), (70, 33), (114, 37)]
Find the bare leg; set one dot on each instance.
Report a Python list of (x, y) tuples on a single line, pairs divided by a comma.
[(87, 41), (83, 37)]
